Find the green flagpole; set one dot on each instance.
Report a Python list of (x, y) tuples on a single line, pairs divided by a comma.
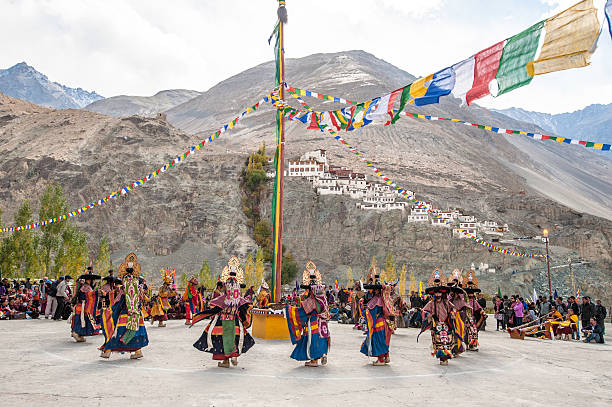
[(279, 157)]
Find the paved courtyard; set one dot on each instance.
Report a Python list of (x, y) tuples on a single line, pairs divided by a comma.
[(42, 365)]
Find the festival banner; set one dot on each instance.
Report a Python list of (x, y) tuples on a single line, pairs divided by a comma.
[(127, 189)]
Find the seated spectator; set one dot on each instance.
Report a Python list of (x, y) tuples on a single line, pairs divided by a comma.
[(593, 332)]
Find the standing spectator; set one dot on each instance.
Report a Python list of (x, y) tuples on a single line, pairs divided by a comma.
[(518, 312), (600, 316), (545, 307), (62, 297), (573, 305), (51, 306), (500, 314), (4, 288), (588, 311), (560, 306)]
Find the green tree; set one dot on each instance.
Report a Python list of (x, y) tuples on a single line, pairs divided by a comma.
[(8, 263), (262, 234), (102, 262), (52, 205), (205, 277), (184, 279), (23, 242), (72, 255), (289, 269)]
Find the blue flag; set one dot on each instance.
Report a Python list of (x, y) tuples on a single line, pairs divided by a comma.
[(555, 295)]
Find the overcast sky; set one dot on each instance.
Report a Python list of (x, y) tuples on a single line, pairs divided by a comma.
[(138, 47)]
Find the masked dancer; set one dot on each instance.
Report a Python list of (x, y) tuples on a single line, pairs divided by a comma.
[(226, 336)]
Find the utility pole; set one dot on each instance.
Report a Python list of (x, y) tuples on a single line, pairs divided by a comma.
[(569, 259), (545, 233)]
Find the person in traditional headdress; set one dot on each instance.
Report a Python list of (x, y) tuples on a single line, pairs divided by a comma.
[(457, 298), (108, 296), (474, 311), (264, 297), (226, 336), (161, 301), (376, 311), (193, 300), (439, 315), (307, 323), (84, 321), (128, 330)]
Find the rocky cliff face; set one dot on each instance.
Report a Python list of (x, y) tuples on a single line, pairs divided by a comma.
[(193, 210)]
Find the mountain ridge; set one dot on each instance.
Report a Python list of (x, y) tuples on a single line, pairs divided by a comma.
[(126, 105), (592, 123), (23, 81)]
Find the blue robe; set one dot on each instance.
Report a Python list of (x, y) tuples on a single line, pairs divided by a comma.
[(87, 301), (116, 342), (375, 343), (300, 324)]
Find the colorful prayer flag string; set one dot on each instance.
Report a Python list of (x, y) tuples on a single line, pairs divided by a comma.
[(286, 109), (536, 136), (127, 189)]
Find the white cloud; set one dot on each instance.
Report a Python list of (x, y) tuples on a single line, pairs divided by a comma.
[(140, 47)]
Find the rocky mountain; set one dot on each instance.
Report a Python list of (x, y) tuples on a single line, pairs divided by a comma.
[(24, 82), (118, 106), (593, 123), (193, 211)]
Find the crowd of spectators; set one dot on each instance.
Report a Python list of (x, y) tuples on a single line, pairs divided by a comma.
[(516, 311)]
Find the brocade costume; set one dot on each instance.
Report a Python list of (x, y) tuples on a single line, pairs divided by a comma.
[(161, 302), (226, 336), (307, 323), (127, 322), (439, 315), (376, 311), (193, 300), (84, 319)]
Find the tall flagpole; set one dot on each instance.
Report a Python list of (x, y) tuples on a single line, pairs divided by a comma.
[(280, 165)]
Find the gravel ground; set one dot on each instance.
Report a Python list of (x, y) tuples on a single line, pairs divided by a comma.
[(42, 365)]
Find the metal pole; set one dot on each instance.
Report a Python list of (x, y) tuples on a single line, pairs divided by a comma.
[(548, 267), (278, 262), (572, 276)]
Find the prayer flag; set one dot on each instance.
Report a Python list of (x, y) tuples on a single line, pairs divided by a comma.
[(518, 51), (486, 64), (569, 41)]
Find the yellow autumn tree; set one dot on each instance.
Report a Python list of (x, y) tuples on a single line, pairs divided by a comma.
[(413, 284), (390, 272), (258, 269), (402, 281), (249, 271), (349, 277)]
